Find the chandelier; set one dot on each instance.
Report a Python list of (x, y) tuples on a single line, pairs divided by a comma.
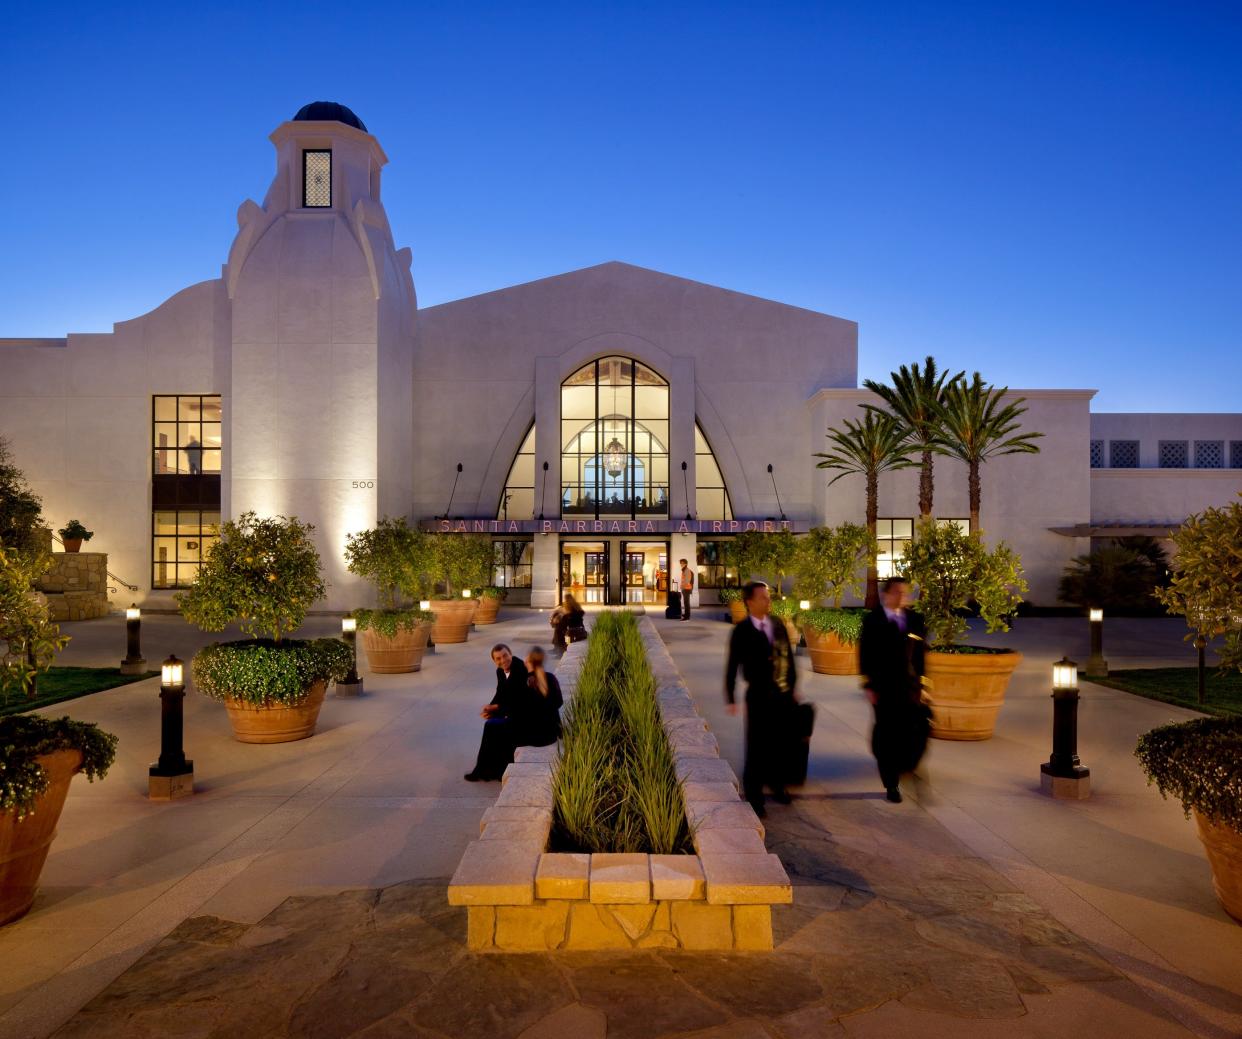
[(615, 458)]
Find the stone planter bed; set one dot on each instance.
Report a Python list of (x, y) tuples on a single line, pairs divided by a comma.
[(522, 898)]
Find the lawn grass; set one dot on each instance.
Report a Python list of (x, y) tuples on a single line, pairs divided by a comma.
[(68, 683), (1180, 686), (615, 787)]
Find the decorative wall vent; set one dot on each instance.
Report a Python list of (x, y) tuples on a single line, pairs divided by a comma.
[(1209, 454), (1174, 454), (1097, 454), (1235, 454), (1123, 454)]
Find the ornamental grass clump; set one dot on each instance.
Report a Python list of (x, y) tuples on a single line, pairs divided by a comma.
[(615, 787), (1198, 762)]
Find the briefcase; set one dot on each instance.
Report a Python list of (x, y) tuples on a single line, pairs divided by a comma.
[(801, 725)]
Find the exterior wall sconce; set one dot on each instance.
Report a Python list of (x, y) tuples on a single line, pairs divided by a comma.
[(1063, 775), (171, 777), (133, 664)]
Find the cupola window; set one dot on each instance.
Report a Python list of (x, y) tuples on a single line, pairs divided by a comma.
[(317, 178)]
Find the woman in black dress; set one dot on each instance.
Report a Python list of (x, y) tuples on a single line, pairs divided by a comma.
[(543, 725)]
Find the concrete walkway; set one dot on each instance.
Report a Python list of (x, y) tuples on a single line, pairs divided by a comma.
[(961, 912)]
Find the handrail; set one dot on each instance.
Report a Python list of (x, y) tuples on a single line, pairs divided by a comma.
[(131, 587)]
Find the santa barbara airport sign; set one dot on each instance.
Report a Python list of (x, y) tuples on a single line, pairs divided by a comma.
[(608, 526)]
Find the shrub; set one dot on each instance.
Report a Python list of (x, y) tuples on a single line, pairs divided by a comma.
[(24, 737), (831, 561), (387, 623), (266, 673), (1198, 762), (954, 570), (262, 573), (20, 509), (490, 591), (459, 561), (785, 609), (730, 595), (1206, 587), (1123, 575), (391, 557), (74, 531), (29, 640), (615, 787), (845, 624)]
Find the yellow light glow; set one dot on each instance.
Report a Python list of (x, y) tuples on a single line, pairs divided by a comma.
[(1096, 615), (1065, 674), (172, 673), (465, 593), (349, 625), (424, 604), (804, 604), (132, 613)]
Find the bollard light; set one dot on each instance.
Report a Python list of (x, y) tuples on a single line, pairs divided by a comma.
[(424, 604), (1063, 774), (172, 776), (804, 604), (465, 593), (351, 684), (133, 664), (1097, 666)]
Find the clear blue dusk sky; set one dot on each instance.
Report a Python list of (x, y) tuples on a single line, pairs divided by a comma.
[(1049, 192)]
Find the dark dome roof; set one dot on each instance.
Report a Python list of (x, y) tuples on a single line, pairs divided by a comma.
[(328, 111)]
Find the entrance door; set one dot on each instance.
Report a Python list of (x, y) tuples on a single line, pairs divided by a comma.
[(645, 575), (584, 571)]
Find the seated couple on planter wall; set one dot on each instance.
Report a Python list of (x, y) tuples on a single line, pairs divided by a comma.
[(525, 712)]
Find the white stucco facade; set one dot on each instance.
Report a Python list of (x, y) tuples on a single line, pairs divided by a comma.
[(340, 401)]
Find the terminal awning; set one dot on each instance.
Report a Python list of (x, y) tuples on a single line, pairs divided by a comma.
[(1120, 530)]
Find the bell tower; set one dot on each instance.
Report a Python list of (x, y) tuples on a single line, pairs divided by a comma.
[(319, 409)]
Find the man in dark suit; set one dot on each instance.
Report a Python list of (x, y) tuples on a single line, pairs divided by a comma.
[(891, 656), (760, 646), (501, 717)]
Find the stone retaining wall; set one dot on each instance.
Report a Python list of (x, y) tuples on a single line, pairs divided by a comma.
[(76, 586), (522, 898)]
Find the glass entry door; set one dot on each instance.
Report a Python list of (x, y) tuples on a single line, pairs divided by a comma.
[(584, 571)]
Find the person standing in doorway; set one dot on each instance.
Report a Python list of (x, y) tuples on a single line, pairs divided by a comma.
[(891, 653), (761, 649), (687, 586)]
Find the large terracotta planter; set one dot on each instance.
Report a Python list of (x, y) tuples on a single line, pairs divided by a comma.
[(1223, 845), (791, 629), (488, 608), (737, 611), (277, 723), (401, 653), (72, 544), (24, 845), (453, 619), (829, 655), (967, 692)]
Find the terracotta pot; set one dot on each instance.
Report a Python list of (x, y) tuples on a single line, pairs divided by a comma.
[(489, 607), (829, 655), (737, 611), (396, 655), (1223, 845), (73, 544), (967, 692), (453, 619), (791, 629), (24, 845), (277, 723)]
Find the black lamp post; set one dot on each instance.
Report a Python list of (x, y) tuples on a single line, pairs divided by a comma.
[(1063, 775), (351, 684), (1097, 666), (133, 664), (173, 775)]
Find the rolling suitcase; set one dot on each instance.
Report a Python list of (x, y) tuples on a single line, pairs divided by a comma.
[(672, 608)]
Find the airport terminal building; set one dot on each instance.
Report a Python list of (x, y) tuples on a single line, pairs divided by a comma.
[(598, 425)]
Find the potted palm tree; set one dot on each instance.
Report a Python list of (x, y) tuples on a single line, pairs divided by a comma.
[(831, 563), (953, 570), (38, 756), (264, 575), (977, 425), (72, 534), (394, 635), (915, 399), (877, 444)]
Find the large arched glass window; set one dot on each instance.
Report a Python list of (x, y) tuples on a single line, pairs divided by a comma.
[(518, 499), (711, 496), (614, 440)]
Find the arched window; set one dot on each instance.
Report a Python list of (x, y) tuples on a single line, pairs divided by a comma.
[(614, 440), (711, 496), (518, 498)]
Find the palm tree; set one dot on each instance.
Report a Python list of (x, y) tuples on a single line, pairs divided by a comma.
[(978, 426), (875, 445), (915, 398)]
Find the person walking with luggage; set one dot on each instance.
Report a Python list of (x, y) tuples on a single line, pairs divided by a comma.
[(687, 586), (891, 656), (760, 647)]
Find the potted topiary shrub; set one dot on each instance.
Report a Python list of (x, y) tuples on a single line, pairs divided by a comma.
[(489, 598), (952, 571), (38, 759), (1200, 763), (72, 534), (459, 564), (830, 562), (389, 556), (732, 598), (263, 574)]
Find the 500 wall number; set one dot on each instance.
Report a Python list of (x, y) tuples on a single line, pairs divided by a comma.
[(363, 485)]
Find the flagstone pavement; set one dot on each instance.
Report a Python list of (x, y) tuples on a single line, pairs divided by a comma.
[(976, 908)]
